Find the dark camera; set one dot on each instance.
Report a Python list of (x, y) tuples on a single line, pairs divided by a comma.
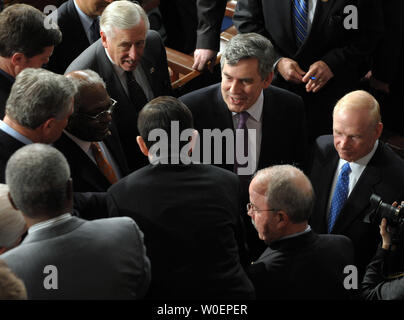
[(393, 215)]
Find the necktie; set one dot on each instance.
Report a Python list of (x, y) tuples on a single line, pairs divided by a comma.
[(95, 30), (102, 163), (242, 124), (340, 195), (300, 13), (136, 93)]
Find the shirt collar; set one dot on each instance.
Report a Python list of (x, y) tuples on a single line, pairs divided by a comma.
[(15, 134), (255, 111), (86, 21), (362, 162), (50, 223), (85, 145)]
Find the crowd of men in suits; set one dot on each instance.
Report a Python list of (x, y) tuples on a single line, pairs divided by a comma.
[(79, 156)]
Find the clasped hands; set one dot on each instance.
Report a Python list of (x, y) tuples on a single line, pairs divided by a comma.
[(315, 78)]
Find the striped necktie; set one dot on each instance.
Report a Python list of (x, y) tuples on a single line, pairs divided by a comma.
[(103, 163), (300, 14)]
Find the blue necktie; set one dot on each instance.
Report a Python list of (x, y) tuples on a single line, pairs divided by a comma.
[(300, 13), (95, 30), (339, 196)]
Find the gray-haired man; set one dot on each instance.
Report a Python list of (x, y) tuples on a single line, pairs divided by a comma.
[(79, 259), (37, 110), (274, 116), (132, 61)]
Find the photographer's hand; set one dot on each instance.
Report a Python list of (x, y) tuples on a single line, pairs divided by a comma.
[(386, 236)]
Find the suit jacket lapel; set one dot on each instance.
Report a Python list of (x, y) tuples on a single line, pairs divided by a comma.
[(79, 32), (321, 14)]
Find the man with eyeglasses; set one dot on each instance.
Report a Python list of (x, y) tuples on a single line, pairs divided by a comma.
[(298, 263), (90, 142)]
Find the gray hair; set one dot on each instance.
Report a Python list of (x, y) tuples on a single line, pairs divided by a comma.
[(88, 78), (37, 175), (122, 15), (289, 189), (38, 95), (12, 223), (250, 45)]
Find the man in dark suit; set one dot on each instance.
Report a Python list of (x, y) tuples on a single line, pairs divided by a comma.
[(89, 130), (188, 212), (298, 263), (322, 46), (37, 110), (79, 22), (25, 42), (372, 167), (275, 116), (132, 61), (62, 256)]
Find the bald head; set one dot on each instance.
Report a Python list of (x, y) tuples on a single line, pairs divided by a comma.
[(286, 187), (356, 125), (362, 102)]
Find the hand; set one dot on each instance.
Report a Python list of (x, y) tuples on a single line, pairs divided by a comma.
[(321, 72), (202, 57), (386, 236), (379, 85), (290, 70)]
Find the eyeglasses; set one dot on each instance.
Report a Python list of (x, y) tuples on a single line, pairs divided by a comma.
[(251, 207), (102, 114)]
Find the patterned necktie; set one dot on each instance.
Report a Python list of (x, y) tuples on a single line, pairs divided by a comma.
[(300, 14), (136, 93), (103, 163), (242, 124), (340, 195), (95, 30)]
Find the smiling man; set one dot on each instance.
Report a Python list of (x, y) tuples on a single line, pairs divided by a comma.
[(132, 61), (25, 42), (90, 137), (348, 167), (246, 100)]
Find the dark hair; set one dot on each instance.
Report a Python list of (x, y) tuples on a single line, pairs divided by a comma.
[(22, 29), (159, 114)]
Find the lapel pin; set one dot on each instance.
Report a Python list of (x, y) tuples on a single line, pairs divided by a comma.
[(151, 70)]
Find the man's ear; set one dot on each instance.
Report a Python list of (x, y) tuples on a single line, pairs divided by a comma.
[(142, 146), (104, 39), (283, 219), (69, 189), (268, 80), (193, 139), (12, 202)]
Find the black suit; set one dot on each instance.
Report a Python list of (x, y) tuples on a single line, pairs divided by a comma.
[(345, 51), (154, 64), (308, 266), (84, 172), (74, 40), (5, 88), (192, 228), (283, 135), (384, 176), (8, 145)]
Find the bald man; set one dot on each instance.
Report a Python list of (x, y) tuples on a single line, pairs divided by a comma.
[(347, 168), (298, 263)]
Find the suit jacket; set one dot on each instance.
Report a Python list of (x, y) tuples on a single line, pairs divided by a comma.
[(384, 176), (193, 233), (308, 266), (5, 88), (74, 40), (85, 173), (90, 259), (210, 16), (345, 51), (8, 145), (283, 123), (154, 64)]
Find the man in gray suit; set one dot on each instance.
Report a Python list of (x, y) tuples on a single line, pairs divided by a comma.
[(132, 61), (64, 257)]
